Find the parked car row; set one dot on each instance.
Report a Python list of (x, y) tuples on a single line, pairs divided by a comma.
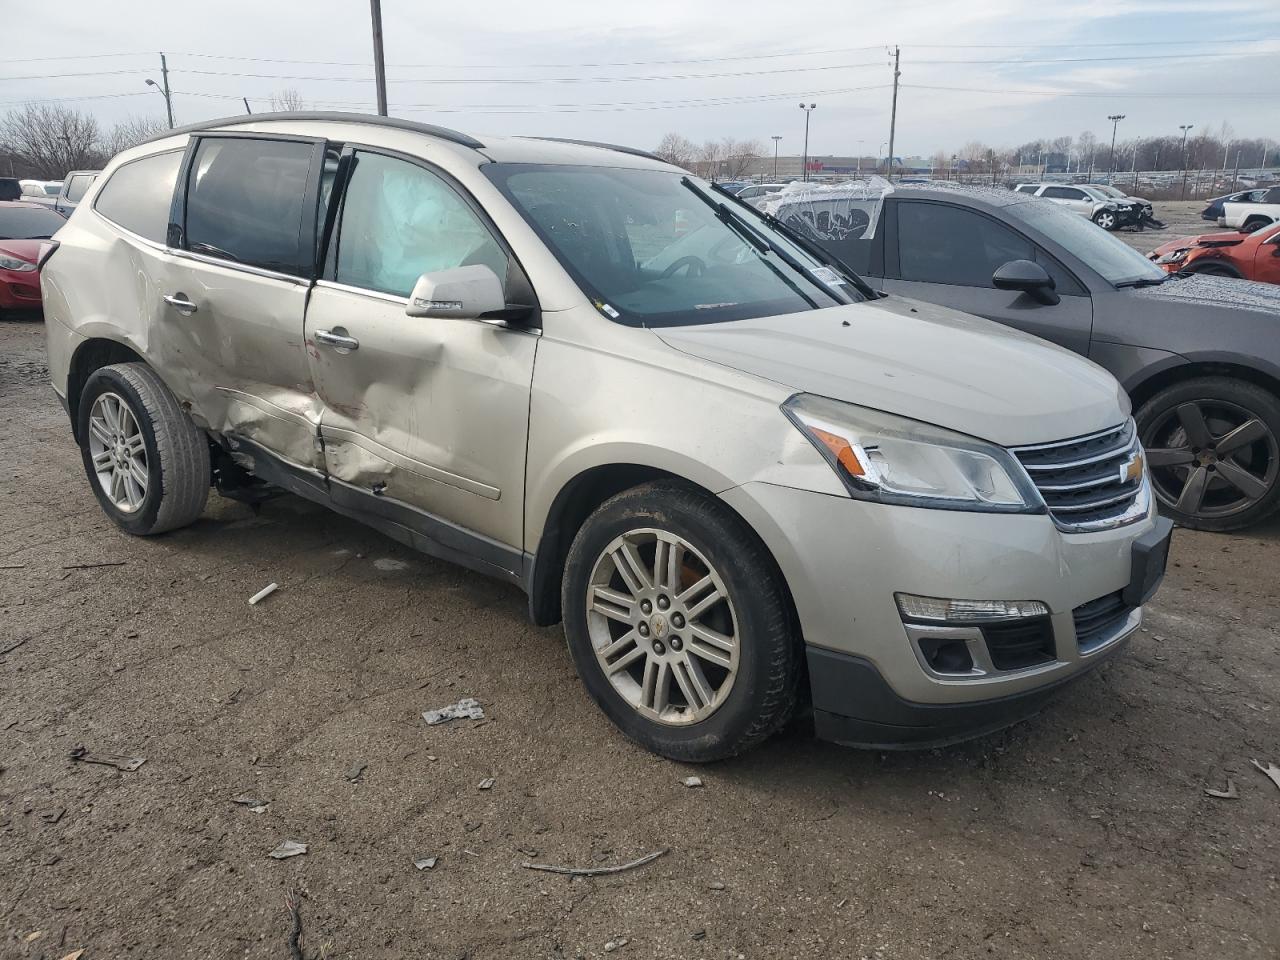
[(683, 426), (1104, 205), (61, 196), (23, 227)]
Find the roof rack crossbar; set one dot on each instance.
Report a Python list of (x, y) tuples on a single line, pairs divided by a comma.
[(430, 129)]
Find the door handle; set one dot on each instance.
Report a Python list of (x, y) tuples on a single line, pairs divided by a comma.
[(180, 303), (338, 340)]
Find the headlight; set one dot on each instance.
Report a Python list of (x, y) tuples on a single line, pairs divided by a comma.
[(1175, 257), (890, 459), (13, 263)]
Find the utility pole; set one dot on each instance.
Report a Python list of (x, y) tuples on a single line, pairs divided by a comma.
[(379, 66), (1235, 180), (1115, 119), (808, 109), (893, 114), (163, 87), (1185, 128), (246, 105), (775, 138)]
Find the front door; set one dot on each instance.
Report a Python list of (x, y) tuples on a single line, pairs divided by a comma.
[(1266, 259), (1070, 197), (424, 421), (233, 291), (946, 254)]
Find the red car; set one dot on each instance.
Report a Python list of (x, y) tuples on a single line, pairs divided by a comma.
[(23, 228), (1247, 256)]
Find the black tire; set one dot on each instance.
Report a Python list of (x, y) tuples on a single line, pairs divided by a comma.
[(1254, 224), (764, 693), (1223, 402), (177, 452)]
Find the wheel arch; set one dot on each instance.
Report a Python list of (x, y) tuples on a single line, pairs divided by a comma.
[(1209, 265), (93, 354), (1194, 369)]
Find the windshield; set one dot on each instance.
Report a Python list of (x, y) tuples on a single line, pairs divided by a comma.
[(1113, 259), (1109, 192), (653, 248), (28, 223)]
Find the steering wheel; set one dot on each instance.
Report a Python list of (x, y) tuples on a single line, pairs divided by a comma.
[(694, 265)]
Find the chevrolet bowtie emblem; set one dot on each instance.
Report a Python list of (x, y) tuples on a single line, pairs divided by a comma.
[(1131, 470)]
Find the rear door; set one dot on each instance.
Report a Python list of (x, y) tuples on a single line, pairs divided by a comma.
[(425, 420), (1070, 197), (233, 288), (946, 254)]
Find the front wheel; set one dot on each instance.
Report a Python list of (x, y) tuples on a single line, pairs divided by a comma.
[(1213, 447), (147, 462), (679, 625), (1105, 219)]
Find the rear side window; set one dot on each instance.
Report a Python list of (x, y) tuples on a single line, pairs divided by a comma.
[(246, 202), (944, 244), (1062, 193), (78, 185), (138, 195), (1028, 188), (400, 221)]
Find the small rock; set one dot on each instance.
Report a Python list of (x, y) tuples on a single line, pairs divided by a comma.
[(356, 771), (487, 783), (287, 849), (692, 782), (425, 863), (715, 885), (618, 944)]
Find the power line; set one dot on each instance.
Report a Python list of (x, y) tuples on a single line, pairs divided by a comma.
[(1103, 94), (90, 73), (91, 96), (1173, 56)]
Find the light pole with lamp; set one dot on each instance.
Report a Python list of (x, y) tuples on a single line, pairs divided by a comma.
[(808, 109), (775, 138), (1115, 119), (163, 88)]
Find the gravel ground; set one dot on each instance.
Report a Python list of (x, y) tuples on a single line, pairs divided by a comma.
[(1083, 833)]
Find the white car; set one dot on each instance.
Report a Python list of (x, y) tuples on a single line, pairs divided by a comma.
[(1249, 217), (1107, 212)]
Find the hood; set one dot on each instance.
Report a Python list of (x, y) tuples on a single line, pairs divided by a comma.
[(1216, 293), (921, 361), (1228, 239), (28, 250)]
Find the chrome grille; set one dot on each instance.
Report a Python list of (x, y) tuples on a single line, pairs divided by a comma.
[(1084, 481)]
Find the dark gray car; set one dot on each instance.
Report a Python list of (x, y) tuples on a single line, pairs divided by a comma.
[(1199, 356)]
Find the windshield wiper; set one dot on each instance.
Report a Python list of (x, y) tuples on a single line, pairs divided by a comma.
[(1144, 282), (818, 252), (761, 245)]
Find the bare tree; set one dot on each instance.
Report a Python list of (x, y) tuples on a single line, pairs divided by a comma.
[(50, 140), (709, 157), (676, 149), (132, 131), (288, 99), (739, 156)]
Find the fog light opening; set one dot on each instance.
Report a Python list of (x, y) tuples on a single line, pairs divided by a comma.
[(946, 655)]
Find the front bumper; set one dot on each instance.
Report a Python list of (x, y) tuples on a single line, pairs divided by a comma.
[(843, 561)]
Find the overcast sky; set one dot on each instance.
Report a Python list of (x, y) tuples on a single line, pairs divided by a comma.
[(600, 72)]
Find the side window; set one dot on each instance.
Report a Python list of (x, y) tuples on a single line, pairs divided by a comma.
[(138, 195), (78, 185), (245, 203), (938, 243), (1028, 188), (1063, 282), (400, 221)]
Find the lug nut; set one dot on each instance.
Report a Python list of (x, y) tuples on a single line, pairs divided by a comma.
[(677, 620), (658, 647), (663, 603), (676, 643), (644, 629)]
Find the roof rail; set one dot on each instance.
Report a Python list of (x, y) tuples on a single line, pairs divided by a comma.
[(634, 151), (444, 133)]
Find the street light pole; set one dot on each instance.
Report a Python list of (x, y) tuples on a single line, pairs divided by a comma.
[(1115, 119), (1185, 128), (808, 109), (775, 138), (163, 88), (379, 66)]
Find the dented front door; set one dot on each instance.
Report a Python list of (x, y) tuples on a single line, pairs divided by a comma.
[(429, 413)]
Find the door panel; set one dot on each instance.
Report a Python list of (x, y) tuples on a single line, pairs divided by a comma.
[(428, 412), (1266, 263)]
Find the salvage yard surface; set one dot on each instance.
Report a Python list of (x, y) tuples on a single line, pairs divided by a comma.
[(1085, 832)]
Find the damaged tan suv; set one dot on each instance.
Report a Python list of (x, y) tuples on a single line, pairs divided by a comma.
[(744, 479)]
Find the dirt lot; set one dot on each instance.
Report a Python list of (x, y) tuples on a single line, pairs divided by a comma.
[(1084, 833)]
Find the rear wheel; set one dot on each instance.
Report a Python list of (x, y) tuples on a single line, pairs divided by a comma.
[(1254, 224), (1213, 447), (678, 624), (1105, 219), (147, 462)]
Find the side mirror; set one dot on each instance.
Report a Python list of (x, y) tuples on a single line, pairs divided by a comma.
[(1029, 278), (464, 293)]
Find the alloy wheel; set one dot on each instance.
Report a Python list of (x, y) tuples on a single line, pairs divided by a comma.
[(1106, 221), (663, 626), (1211, 458), (119, 452)]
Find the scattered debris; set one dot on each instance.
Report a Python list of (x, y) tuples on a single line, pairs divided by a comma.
[(841, 904), (425, 863), (74, 954), (94, 566), (14, 646), (595, 871), (356, 771), (1271, 771), (254, 804), (468, 708), (618, 944), (33, 936), (262, 594), (471, 853), (698, 935), (293, 903), (715, 885), (1228, 794), (287, 849), (127, 764), (53, 816), (12, 566), (692, 782), (389, 565), (487, 783)]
